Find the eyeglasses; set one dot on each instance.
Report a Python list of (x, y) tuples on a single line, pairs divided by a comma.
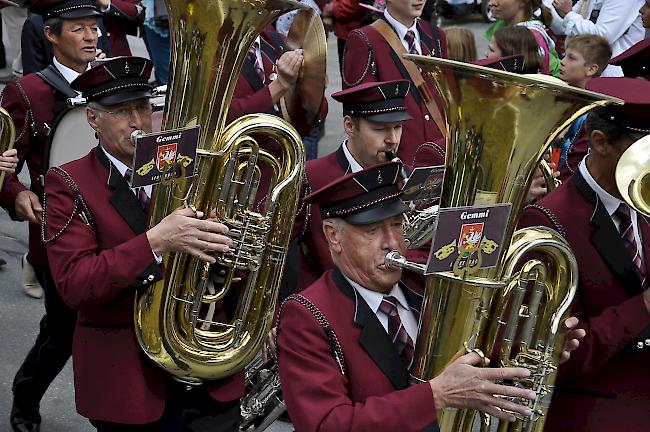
[(125, 113)]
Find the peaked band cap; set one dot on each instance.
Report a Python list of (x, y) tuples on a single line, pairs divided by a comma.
[(634, 116), (382, 102), (514, 63), (635, 61), (65, 9), (116, 80), (364, 197)]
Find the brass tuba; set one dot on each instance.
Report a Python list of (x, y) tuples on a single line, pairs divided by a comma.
[(500, 124), (175, 317), (7, 137)]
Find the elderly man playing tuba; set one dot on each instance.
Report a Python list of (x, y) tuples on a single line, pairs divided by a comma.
[(345, 344), (100, 251)]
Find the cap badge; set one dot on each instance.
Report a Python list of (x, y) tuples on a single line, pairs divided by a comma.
[(379, 178), (396, 89), (126, 68)]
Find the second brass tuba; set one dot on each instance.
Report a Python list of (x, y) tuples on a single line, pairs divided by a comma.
[(500, 124), (177, 319)]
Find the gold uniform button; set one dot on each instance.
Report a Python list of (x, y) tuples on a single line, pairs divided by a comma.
[(150, 277), (639, 345), (647, 342), (426, 117)]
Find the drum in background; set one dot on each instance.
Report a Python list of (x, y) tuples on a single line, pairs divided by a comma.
[(71, 138)]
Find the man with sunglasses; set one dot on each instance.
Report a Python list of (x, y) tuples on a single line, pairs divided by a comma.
[(102, 251), (607, 379), (33, 102)]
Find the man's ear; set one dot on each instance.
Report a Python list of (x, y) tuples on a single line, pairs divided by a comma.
[(92, 116), (599, 143), (348, 126), (49, 35), (333, 236)]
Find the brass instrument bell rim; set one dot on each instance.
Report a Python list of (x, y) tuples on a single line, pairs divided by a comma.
[(633, 165), (523, 79)]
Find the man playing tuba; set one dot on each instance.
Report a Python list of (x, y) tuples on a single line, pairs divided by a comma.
[(100, 251)]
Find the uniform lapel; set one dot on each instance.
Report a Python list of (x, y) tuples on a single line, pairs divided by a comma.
[(607, 241), (123, 199), (373, 338), (344, 163)]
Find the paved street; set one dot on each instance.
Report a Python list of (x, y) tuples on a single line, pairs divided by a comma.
[(21, 315)]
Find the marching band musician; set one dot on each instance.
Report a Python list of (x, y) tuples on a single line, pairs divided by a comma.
[(100, 251), (373, 53), (33, 102), (606, 383), (345, 343)]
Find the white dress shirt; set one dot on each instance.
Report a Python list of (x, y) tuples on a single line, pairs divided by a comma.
[(374, 298), (619, 22), (401, 30), (69, 74), (354, 165), (611, 204)]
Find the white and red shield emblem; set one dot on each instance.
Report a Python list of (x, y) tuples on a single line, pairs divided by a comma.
[(470, 236), (166, 155)]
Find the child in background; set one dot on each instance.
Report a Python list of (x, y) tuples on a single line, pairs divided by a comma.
[(516, 40), (461, 44), (586, 57), (533, 15)]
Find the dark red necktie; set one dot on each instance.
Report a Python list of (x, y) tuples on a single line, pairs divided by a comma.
[(396, 330), (139, 192), (627, 235), (252, 57), (409, 37)]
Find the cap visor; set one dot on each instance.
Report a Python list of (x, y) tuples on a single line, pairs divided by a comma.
[(390, 117), (377, 213), (80, 13), (124, 96)]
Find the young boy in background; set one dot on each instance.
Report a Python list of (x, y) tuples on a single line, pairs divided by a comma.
[(586, 57)]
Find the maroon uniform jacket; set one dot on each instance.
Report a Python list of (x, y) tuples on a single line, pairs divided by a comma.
[(32, 102), (121, 19), (605, 386), (368, 57), (97, 267), (373, 393)]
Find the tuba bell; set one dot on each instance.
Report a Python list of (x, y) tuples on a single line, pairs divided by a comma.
[(7, 137), (633, 176), (176, 318), (500, 125)]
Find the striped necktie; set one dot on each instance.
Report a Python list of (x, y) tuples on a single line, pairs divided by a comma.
[(627, 235), (396, 330), (409, 37)]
